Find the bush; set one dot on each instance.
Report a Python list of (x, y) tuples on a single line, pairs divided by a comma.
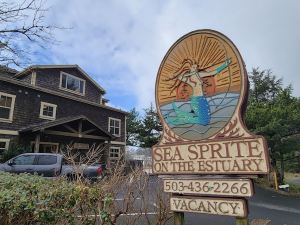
[(29, 199), (13, 151)]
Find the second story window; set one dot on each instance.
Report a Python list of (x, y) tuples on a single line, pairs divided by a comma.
[(72, 84), (114, 126), (7, 103), (48, 111)]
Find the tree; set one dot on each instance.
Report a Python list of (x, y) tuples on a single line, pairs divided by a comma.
[(21, 25), (264, 85), (134, 126), (151, 128), (274, 113)]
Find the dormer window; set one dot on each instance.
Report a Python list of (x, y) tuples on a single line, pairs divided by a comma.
[(72, 84)]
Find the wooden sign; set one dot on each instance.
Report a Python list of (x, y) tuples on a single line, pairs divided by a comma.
[(218, 187), (201, 95), (231, 156), (216, 206)]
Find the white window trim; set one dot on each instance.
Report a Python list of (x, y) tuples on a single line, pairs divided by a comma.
[(6, 143), (119, 150), (68, 90), (111, 118), (12, 107), (48, 117)]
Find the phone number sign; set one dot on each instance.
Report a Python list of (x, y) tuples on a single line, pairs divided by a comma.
[(218, 187)]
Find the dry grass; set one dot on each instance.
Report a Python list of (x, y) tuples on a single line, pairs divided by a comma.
[(290, 176), (260, 222)]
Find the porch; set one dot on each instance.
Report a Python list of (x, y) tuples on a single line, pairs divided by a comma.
[(77, 133)]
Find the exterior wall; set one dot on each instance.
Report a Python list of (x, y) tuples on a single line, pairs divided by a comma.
[(50, 78), (28, 102)]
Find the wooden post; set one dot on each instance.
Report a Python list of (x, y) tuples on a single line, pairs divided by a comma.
[(37, 143), (80, 129), (275, 180), (178, 218), (242, 221)]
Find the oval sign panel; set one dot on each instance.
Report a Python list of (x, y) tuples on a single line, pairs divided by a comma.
[(201, 84)]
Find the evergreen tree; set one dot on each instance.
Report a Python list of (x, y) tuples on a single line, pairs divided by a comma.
[(133, 128), (275, 114), (151, 128)]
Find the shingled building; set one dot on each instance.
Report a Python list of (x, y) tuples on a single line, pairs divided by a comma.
[(47, 107)]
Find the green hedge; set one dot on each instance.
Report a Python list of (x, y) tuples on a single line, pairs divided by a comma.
[(29, 199)]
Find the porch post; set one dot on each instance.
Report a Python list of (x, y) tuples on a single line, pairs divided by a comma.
[(108, 150), (37, 143), (80, 129)]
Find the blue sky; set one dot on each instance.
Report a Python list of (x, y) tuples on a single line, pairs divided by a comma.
[(121, 43)]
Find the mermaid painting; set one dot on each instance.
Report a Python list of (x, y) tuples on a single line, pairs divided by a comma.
[(191, 76)]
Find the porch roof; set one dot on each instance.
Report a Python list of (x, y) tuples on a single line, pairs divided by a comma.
[(41, 127)]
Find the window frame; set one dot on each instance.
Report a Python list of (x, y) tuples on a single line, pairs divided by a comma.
[(48, 105), (12, 107), (7, 141), (68, 90), (115, 119), (119, 152)]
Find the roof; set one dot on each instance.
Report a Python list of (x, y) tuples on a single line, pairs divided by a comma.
[(28, 69), (48, 124), (52, 92), (7, 71)]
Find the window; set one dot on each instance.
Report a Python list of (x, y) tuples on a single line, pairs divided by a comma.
[(4, 143), (47, 160), (7, 103), (114, 126), (48, 111), (24, 160), (72, 84), (114, 152)]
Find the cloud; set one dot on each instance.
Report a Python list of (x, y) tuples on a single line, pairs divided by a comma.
[(121, 43)]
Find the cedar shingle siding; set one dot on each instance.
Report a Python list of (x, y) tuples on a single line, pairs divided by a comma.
[(28, 102), (50, 79)]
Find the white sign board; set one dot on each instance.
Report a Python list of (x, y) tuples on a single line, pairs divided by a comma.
[(218, 187), (216, 206)]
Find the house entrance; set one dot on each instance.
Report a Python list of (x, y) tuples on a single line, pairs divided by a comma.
[(46, 147)]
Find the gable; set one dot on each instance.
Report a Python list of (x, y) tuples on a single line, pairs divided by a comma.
[(75, 69)]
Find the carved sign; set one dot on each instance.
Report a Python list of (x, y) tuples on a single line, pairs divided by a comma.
[(232, 156), (201, 94), (216, 206), (219, 187)]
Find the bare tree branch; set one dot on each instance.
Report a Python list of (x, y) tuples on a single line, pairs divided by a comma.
[(23, 24)]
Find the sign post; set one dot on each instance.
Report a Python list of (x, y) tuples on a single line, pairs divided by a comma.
[(178, 218), (242, 221), (205, 150)]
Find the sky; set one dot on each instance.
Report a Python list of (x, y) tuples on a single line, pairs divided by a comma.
[(121, 43)]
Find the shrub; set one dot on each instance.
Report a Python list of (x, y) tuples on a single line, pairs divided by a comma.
[(13, 151), (28, 199)]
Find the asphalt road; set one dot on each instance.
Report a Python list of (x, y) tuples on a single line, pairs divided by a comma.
[(265, 204)]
